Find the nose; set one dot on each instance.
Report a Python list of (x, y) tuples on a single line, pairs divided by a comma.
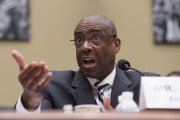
[(86, 47)]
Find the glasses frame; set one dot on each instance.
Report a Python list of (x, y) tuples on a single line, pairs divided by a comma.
[(90, 40)]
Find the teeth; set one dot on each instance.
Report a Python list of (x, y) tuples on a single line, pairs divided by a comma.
[(87, 59)]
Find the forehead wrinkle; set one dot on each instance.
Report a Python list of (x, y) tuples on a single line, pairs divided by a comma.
[(87, 30), (109, 26), (89, 26)]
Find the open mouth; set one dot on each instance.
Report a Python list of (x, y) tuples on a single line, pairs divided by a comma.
[(89, 62)]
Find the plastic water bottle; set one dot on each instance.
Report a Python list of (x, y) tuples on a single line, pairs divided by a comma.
[(126, 103), (68, 109)]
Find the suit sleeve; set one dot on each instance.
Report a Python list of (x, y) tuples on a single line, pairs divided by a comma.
[(46, 103)]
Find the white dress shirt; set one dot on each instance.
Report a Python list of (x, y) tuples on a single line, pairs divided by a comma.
[(107, 92), (20, 108)]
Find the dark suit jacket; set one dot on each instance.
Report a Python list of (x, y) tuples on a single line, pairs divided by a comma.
[(70, 87)]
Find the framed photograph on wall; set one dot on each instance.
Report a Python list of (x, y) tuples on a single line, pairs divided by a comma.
[(166, 21), (14, 20)]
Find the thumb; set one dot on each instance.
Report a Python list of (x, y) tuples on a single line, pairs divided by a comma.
[(19, 59), (107, 105)]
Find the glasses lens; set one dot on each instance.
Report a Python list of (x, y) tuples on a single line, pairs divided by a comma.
[(96, 40)]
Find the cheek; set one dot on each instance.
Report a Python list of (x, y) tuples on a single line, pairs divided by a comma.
[(78, 55), (108, 55), (105, 53)]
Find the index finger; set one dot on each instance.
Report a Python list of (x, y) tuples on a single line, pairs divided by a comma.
[(19, 59), (107, 105)]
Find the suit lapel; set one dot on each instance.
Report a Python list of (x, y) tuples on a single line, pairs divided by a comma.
[(83, 94), (121, 83), (82, 90)]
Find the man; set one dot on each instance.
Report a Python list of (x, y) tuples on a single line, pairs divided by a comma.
[(174, 74), (96, 43)]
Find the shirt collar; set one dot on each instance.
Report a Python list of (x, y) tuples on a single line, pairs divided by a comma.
[(109, 79)]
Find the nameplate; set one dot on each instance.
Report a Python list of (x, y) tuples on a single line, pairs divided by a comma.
[(159, 93)]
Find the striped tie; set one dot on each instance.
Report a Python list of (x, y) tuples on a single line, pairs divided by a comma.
[(100, 91)]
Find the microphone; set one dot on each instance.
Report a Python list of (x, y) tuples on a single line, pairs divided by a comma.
[(125, 65)]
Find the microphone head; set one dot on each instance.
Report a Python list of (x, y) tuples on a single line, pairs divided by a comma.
[(123, 64)]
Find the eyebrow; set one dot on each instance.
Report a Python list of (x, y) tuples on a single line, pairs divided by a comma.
[(94, 30), (78, 32), (89, 31)]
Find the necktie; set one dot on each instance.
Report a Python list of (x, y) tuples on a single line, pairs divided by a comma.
[(100, 91)]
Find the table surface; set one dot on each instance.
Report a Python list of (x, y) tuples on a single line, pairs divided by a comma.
[(60, 115)]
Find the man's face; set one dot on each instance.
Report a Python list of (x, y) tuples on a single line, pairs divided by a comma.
[(95, 61)]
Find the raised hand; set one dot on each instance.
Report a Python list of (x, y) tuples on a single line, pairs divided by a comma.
[(33, 78)]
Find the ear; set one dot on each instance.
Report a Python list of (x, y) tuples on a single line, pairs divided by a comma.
[(117, 44)]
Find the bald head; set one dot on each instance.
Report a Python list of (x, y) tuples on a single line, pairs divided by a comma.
[(108, 24)]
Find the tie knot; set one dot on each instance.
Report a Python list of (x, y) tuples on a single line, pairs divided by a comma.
[(100, 86)]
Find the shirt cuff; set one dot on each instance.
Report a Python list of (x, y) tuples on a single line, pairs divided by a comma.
[(20, 108)]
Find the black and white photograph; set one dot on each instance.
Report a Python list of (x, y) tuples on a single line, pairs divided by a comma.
[(166, 19), (14, 20)]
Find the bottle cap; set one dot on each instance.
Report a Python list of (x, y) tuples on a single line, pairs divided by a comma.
[(127, 94), (120, 98), (67, 108)]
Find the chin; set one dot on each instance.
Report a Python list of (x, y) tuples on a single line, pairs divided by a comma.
[(91, 74)]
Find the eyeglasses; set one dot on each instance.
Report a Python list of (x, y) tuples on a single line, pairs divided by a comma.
[(95, 40)]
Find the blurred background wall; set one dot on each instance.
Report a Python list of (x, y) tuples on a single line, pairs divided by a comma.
[(52, 26)]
